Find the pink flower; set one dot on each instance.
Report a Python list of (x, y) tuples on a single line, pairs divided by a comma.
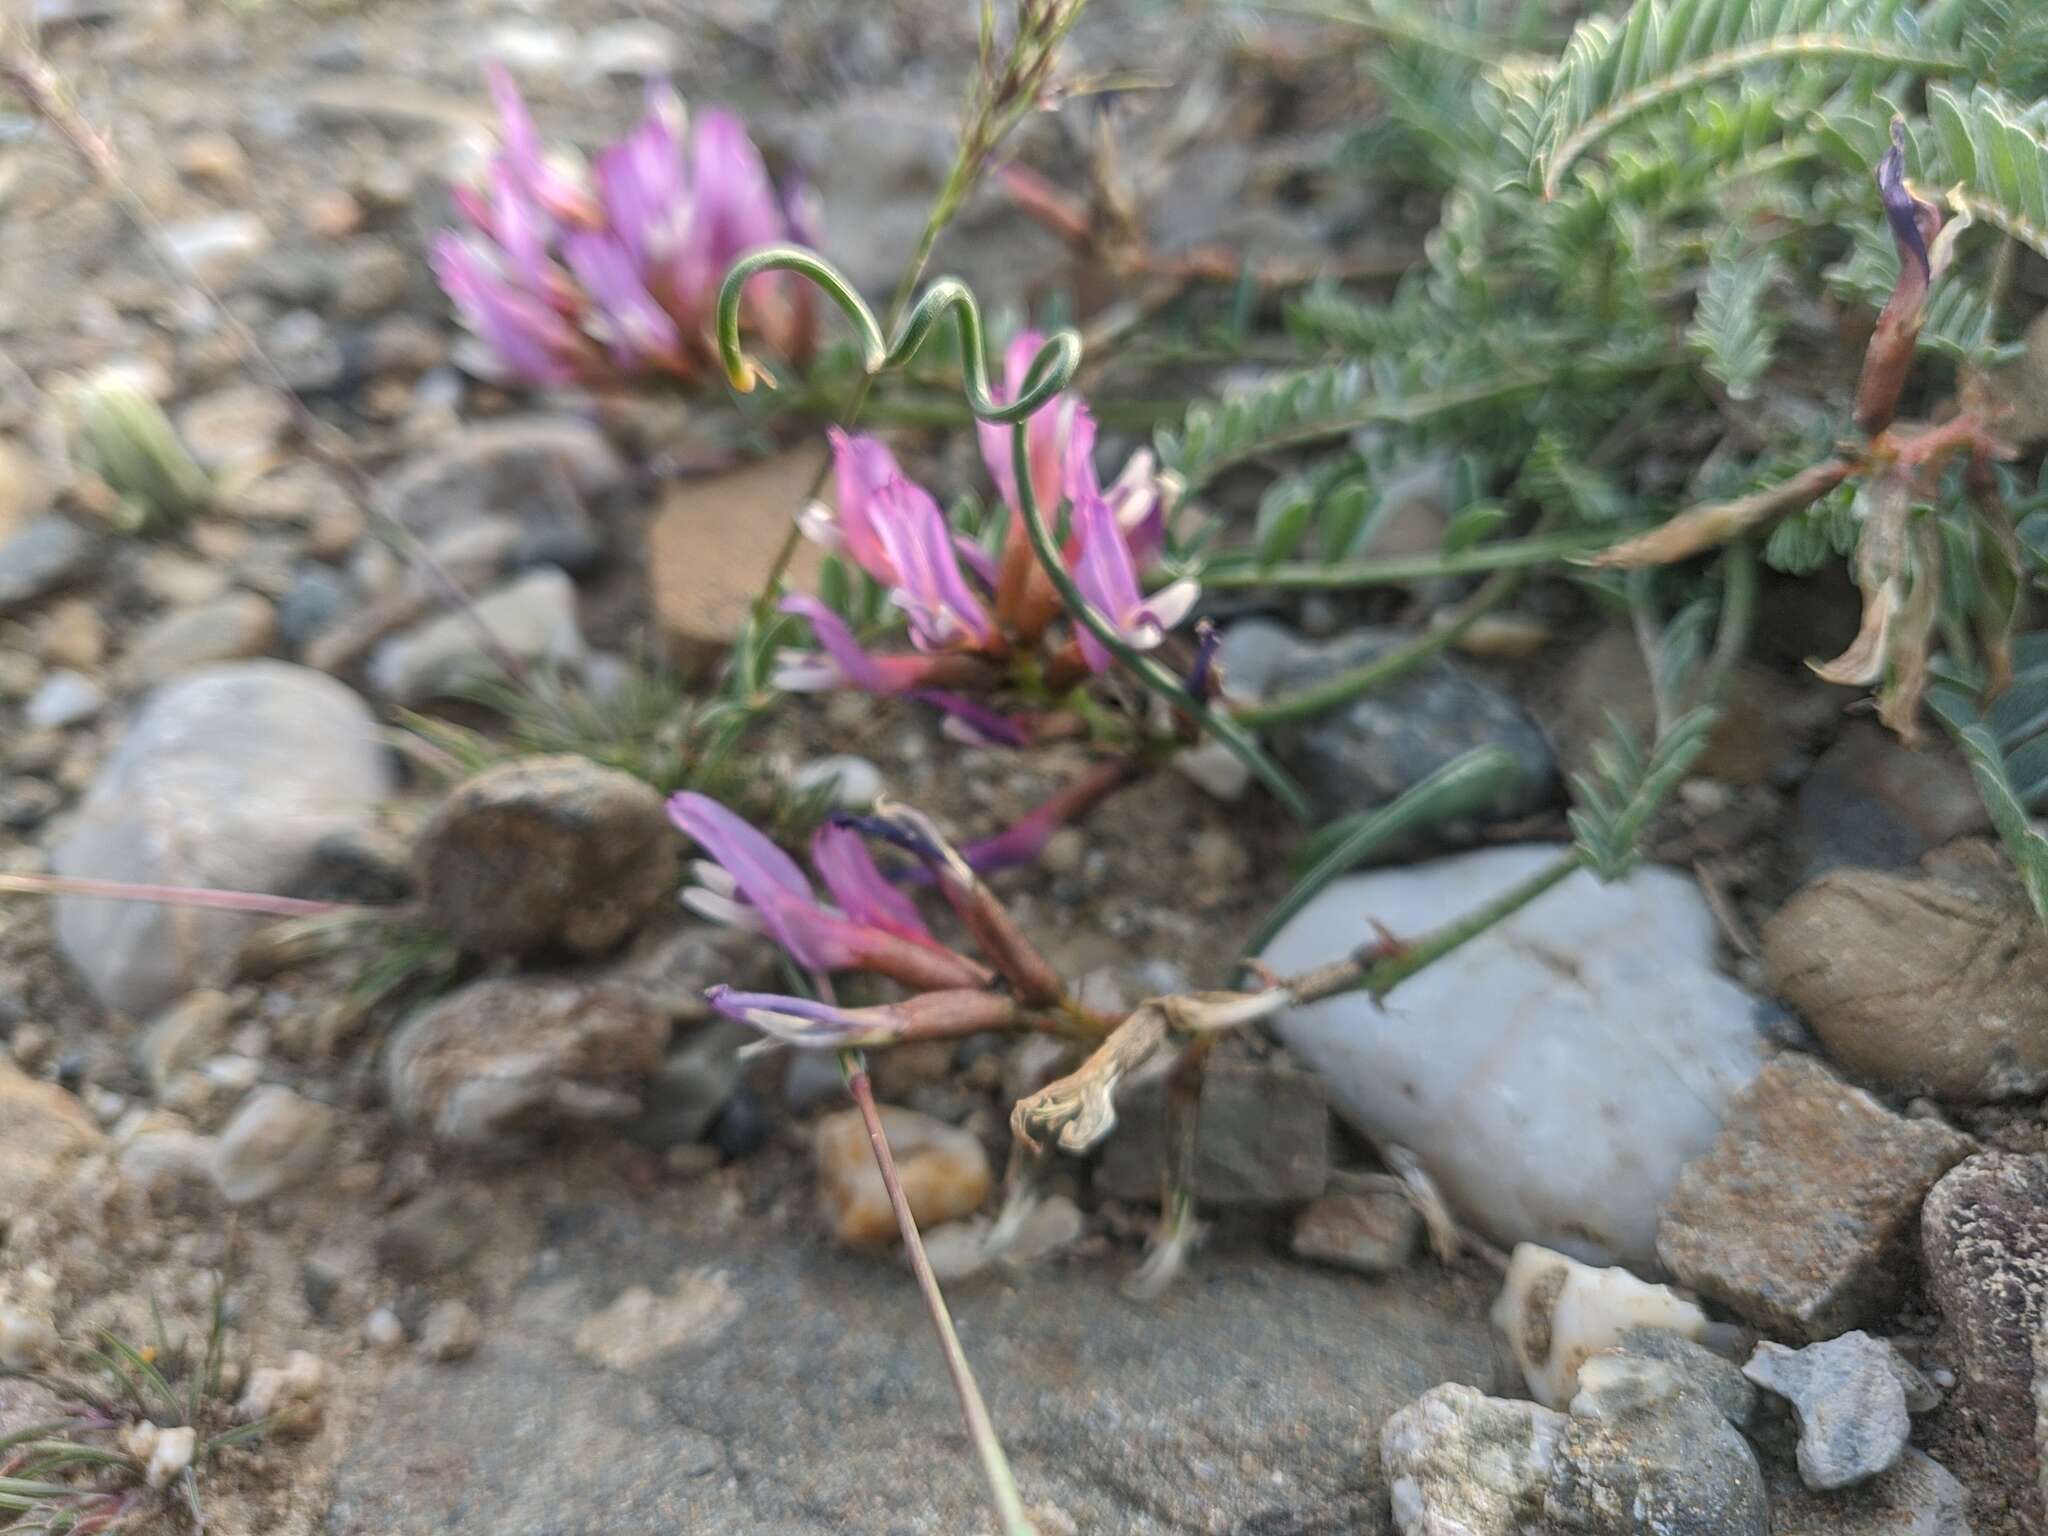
[(891, 528), (592, 276), (1108, 579), (751, 883)]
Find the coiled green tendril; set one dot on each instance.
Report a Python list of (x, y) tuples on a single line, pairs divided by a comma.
[(1050, 372)]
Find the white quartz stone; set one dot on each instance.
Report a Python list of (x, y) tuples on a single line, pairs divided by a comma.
[(1557, 1313), (1554, 1074)]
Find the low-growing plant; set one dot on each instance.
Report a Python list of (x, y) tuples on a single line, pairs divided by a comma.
[(141, 1425)]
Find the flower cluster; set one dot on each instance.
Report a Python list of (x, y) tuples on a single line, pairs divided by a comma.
[(591, 275), (969, 613), (866, 925)]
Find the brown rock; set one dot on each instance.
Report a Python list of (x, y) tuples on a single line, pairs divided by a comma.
[(1374, 1233), (1929, 983), (547, 852), (1872, 801), (1984, 1240), (43, 1130), (710, 548), (25, 491), (1800, 1216), (500, 1061), (1764, 717), (73, 635), (944, 1171)]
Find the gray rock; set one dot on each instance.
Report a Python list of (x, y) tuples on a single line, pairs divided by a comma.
[(1640, 1455), (274, 1140), (1645, 1456), (373, 278), (1362, 755), (502, 1061), (634, 50), (548, 474), (1371, 1233), (1984, 1241), (229, 628), (306, 352), (218, 246), (546, 853), (1229, 1426), (1524, 1070), (1873, 802), (182, 1036), (230, 779), (1800, 1217), (40, 558), (433, 1235), (65, 698), (1461, 1462), (1851, 1396), (317, 599), (533, 619), (1932, 982), (1915, 1498), (234, 425), (696, 1078), (1718, 1379), (1263, 1138)]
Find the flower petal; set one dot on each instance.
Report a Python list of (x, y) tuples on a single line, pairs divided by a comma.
[(840, 856)]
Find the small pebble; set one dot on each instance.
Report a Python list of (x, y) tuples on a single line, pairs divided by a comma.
[(944, 1171), (383, 1331), (450, 1332), (26, 1340)]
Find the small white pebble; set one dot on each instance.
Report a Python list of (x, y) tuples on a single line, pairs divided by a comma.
[(383, 1330), (106, 1105), (174, 1451), (25, 1339), (1942, 1377)]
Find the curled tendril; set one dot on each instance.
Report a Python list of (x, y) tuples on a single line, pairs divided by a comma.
[(1050, 372)]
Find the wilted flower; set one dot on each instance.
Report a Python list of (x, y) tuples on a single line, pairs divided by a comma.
[(751, 883), (1924, 249), (971, 617), (591, 275)]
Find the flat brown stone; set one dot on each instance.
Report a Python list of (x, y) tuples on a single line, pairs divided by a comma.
[(712, 544), (1801, 1215)]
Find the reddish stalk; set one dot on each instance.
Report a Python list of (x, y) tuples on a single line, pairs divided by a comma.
[(173, 895), (995, 1466)]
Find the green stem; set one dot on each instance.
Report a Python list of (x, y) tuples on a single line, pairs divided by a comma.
[(995, 1466), (1349, 684), (1433, 946), (1462, 786), (1504, 554), (1148, 671)]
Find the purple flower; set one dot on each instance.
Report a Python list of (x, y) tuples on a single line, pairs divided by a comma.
[(843, 662), (1108, 578), (800, 1021), (840, 856), (627, 257), (751, 883), (1914, 221)]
